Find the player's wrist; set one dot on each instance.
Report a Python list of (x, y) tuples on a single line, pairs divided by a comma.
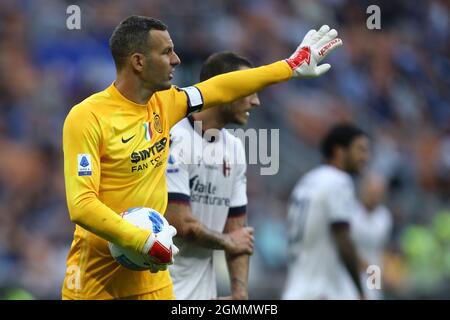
[(288, 67), (300, 56), (227, 242)]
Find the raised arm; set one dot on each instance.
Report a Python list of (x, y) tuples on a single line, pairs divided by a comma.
[(228, 87)]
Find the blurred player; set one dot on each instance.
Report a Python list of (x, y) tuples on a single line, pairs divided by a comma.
[(323, 260), (371, 227), (116, 149), (207, 196)]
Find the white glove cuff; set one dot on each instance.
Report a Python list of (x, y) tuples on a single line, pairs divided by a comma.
[(149, 243)]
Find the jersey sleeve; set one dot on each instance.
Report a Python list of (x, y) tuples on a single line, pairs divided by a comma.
[(82, 143), (177, 172), (238, 199), (181, 102), (222, 89), (340, 201), (231, 86)]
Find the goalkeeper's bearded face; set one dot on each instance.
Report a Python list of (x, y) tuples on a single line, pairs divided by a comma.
[(159, 62)]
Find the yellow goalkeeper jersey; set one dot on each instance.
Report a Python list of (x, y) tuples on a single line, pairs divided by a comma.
[(115, 156)]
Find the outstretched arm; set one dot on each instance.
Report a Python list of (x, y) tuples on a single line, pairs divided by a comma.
[(228, 87), (304, 62)]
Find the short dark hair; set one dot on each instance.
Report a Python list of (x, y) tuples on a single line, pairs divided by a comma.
[(222, 62), (340, 135), (131, 36)]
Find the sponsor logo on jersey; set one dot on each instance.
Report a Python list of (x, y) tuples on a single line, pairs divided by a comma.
[(206, 193), (126, 140), (156, 148), (152, 153)]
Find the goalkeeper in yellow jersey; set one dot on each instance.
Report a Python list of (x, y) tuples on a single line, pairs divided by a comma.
[(116, 145)]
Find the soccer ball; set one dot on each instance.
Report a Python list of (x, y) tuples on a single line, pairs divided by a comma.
[(144, 218)]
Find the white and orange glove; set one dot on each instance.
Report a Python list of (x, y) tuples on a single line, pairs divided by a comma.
[(160, 248), (316, 45)]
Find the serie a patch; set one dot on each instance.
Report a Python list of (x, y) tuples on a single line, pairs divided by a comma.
[(84, 164)]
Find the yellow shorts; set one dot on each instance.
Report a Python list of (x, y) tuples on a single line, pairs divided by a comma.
[(165, 293)]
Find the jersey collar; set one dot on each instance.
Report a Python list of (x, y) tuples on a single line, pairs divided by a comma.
[(116, 93)]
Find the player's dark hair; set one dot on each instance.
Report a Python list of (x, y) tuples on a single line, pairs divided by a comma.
[(222, 62), (131, 36), (340, 135)]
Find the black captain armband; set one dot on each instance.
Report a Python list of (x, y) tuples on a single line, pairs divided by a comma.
[(194, 99)]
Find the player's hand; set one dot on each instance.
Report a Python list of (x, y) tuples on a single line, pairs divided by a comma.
[(316, 45), (240, 241), (160, 248)]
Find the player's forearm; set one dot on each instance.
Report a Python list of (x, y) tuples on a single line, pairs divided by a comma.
[(190, 229), (238, 269), (94, 216), (201, 236), (228, 87), (238, 265)]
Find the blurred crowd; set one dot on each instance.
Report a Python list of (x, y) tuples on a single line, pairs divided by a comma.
[(394, 82)]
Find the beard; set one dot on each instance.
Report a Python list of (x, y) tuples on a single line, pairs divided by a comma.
[(352, 168)]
